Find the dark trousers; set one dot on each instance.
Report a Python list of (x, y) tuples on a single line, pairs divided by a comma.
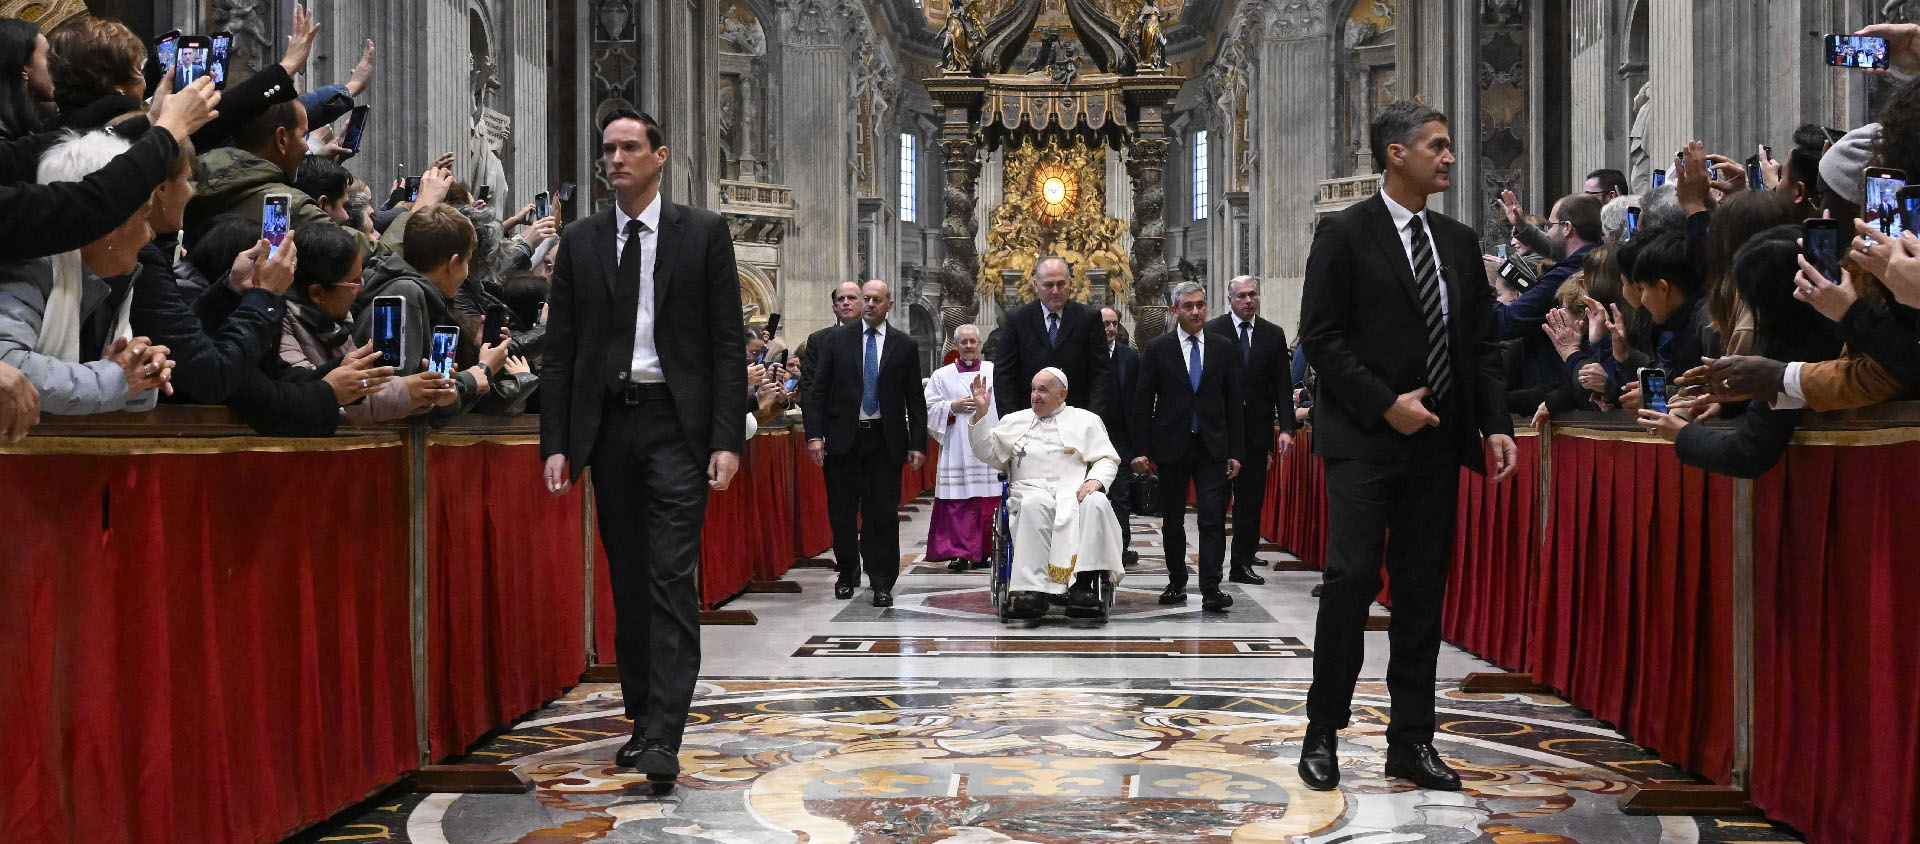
[(1249, 502), (650, 489), (1121, 497), (1209, 479), (863, 495), (1413, 503)]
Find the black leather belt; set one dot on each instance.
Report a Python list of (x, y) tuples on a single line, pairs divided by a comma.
[(635, 394), (869, 423)]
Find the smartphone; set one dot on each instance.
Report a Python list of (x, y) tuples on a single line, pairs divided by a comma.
[(1653, 389), (389, 328), (496, 322), (1659, 178), (273, 221), (1633, 220), (222, 51), (773, 326), (566, 193), (164, 49), (1862, 52), (1882, 208), (1500, 251), (413, 188), (1910, 207), (486, 193), (1821, 245), (784, 356), (542, 205), (190, 57), (356, 127), (1713, 174), (1754, 182), (440, 353)]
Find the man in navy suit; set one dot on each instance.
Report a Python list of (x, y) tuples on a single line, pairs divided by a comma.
[(1051, 331), (866, 417), (1266, 388), (1123, 368), (1186, 427), (1398, 318)]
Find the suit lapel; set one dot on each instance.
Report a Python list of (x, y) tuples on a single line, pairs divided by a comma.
[(604, 245), (1391, 247), (667, 249)]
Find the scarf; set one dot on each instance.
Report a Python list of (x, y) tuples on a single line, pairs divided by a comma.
[(59, 336), (331, 334)]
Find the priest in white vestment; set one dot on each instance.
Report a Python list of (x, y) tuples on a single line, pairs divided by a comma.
[(965, 491), (1059, 463)]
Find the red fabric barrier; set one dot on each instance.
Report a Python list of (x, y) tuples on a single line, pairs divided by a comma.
[(812, 534), (1296, 513), (504, 580), (1490, 591), (1837, 645), (774, 504), (1635, 624), (190, 653)]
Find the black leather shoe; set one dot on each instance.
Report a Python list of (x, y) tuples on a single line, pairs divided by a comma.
[(842, 590), (628, 756), (1243, 573), (1319, 765), (957, 566), (660, 764), (882, 598), (1421, 764), (1027, 605), (1216, 601), (1129, 559), (1174, 595)]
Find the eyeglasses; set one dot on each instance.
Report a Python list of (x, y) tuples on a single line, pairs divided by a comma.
[(1554, 224)]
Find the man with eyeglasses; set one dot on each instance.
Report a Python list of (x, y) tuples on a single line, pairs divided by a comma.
[(1573, 229), (1604, 185)]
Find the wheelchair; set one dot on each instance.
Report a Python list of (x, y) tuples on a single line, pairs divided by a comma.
[(1000, 587)]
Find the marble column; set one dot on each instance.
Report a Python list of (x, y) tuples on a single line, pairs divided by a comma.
[(1293, 102), (1600, 112), (526, 88), (815, 255)]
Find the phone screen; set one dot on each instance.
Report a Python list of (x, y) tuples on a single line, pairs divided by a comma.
[(1882, 208), (1912, 209), (1659, 178), (356, 126), (1653, 389), (1500, 251), (273, 222), (542, 205), (1864, 52), (1633, 220), (440, 356), (1754, 181), (190, 63), (486, 193), (1822, 247), (222, 48), (389, 326), (413, 188), (166, 49)]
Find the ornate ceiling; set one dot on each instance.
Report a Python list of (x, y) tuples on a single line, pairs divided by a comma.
[(1055, 13)]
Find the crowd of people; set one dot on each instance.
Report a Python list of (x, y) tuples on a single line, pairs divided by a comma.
[(142, 266)]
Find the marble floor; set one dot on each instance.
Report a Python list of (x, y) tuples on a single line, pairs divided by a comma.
[(833, 721)]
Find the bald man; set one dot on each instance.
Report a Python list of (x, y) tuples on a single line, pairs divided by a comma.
[(1059, 464)]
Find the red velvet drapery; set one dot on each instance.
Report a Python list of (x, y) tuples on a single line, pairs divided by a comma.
[(200, 647), (1489, 607), (504, 584)]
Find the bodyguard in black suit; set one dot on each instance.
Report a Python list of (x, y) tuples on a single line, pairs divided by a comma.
[(1397, 318), (645, 383), (1187, 427), (1266, 388), (846, 309), (1123, 373), (866, 416), (1051, 331)]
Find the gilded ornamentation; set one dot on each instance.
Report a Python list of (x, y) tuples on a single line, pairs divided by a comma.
[(45, 14), (960, 38), (1030, 224), (1144, 35)]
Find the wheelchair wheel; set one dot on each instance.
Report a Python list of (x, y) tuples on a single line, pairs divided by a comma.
[(1001, 570)]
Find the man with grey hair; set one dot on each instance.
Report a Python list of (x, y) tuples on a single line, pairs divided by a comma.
[(1266, 393), (965, 490), (1397, 318), (1613, 218), (1051, 331), (1187, 426)]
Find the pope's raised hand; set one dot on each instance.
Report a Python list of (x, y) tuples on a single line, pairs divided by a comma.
[(981, 394)]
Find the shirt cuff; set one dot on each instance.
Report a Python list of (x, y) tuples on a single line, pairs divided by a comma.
[(1790, 397)]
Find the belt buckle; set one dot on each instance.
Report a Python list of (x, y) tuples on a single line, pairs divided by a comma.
[(631, 395)]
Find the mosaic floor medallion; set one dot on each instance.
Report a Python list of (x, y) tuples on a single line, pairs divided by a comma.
[(963, 762), (1134, 600)]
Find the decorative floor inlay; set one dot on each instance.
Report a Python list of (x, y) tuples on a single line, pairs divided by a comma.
[(1049, 762), (1156, 646), (1132, 601)]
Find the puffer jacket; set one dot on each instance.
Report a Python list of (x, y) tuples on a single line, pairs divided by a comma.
[(66, 389)]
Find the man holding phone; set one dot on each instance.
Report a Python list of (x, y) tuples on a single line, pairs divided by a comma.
[(1397, 320), (643, 382)]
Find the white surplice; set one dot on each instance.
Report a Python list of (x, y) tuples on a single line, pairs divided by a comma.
[(961, 476), (1047, 459)]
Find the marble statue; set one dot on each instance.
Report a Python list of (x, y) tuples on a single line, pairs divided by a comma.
[(1639, 164)]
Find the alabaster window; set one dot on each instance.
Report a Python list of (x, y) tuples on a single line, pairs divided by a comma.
[(1200, 197), (909, 176)]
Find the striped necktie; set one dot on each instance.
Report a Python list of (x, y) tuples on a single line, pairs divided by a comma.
[(1426, 277)]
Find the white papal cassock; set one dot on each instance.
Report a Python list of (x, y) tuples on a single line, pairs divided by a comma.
[(1047, 459)]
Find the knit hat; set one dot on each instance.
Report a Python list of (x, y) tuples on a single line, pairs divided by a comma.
[(1844, 166)]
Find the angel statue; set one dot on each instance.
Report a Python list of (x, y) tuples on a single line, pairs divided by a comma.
[(1146, 40), (960, 38)]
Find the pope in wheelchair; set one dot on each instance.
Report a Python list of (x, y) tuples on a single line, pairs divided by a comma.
[(1058, 463)]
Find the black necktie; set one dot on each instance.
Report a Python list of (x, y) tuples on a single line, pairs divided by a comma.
[(1053, 329), (629, 268), (1246, 342), (1426, 279)]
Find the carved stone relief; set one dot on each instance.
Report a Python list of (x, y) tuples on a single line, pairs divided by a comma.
[(252, 39), (1296, 19)]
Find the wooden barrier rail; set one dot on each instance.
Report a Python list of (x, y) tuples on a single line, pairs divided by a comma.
[(1758, 633)]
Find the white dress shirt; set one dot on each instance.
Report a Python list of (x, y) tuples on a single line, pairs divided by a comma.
[(1401, 217), (879, 354), (646, 356)]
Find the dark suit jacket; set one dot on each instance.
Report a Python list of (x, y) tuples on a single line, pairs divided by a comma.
[(1123, 375), (1165, 402), (832, 410), (1266, 381), (1361, 323), (808, 360), (1023, 351), (697, 331)]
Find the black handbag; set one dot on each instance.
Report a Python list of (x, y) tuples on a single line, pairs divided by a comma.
[(1143, 496)]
